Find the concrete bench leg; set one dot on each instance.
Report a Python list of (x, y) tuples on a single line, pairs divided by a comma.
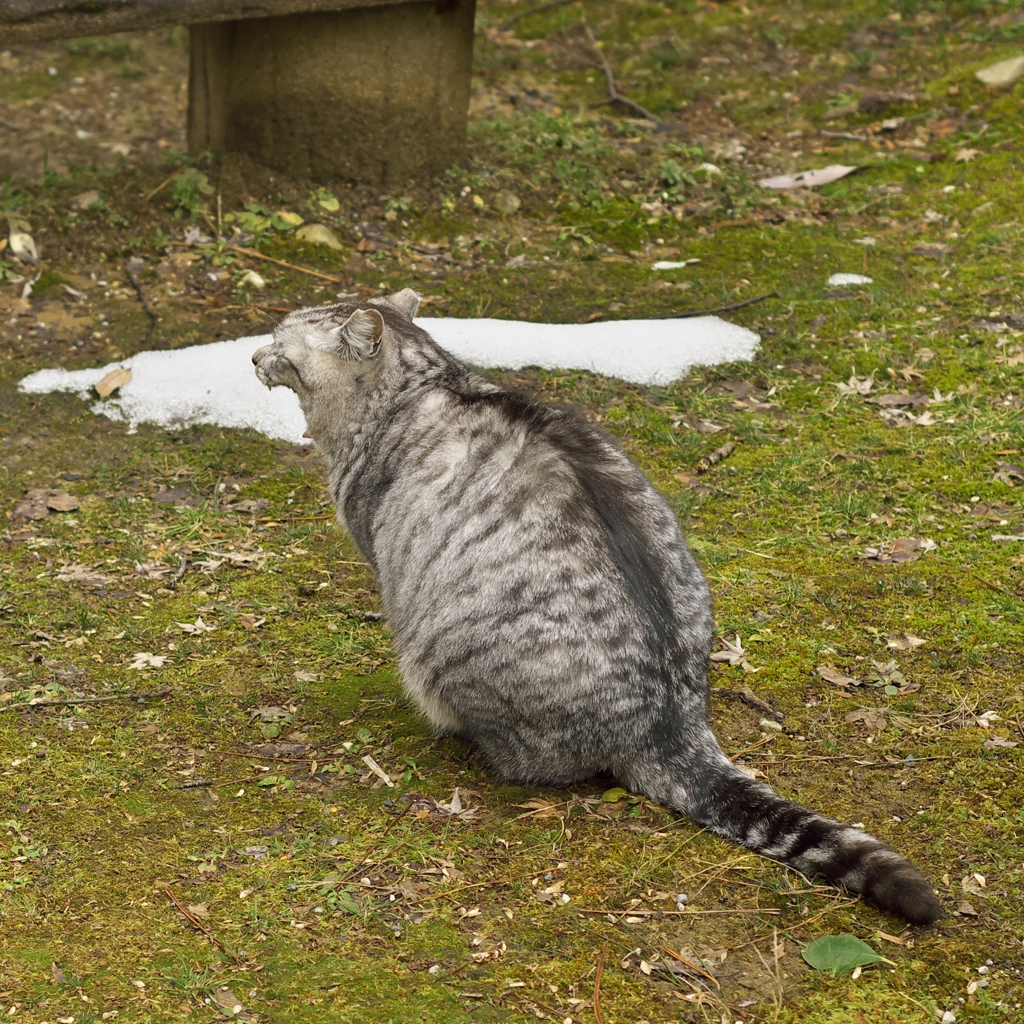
[(375, 95)]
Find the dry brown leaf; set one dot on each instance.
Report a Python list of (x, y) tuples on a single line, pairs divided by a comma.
[(873, 719), (832, 675), (62, 502), (117, 378), (902, 549)]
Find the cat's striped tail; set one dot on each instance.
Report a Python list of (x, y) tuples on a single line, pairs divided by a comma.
[(713, 793)]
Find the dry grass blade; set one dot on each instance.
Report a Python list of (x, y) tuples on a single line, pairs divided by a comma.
[(200, 927), (281, 263), (690, 964), (597, 985), (717, 309), (150, 695)]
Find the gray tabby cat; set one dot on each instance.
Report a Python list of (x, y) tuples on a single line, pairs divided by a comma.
[(544, 603)]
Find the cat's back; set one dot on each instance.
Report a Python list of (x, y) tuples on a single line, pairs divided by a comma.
[(503, 501)]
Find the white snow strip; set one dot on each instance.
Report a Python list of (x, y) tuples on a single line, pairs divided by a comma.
[(216, 384), (850, 279)]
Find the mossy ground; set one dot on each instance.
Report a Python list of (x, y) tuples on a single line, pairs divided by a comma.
[(319, 902)]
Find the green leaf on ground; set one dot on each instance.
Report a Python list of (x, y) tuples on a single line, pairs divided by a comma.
[(840, 954)]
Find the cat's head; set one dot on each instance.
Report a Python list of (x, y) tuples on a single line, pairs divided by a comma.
[(321, 348)]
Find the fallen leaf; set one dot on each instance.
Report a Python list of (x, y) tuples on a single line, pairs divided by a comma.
[(1002, 73), (196, 628), (903, 549), (873, 719), (857, 385), (1007, 472), (934, 249), (250, 622), (58, 975), (318, 234), (996, 742), (694, 422), (85, 200), (84, 575), (23, 246), (907, 642), (966, 910), (734, 654), (282, 220), (61, 502), (808, 179), (840, 954), (507, 202), (144, 659), (229, 1003), (832, 675), (172, 496), (31, 508), (900, 399), (117, 378), (964, 156), (271, 713), (200, 911)]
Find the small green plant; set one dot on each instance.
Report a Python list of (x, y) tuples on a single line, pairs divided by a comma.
[(325, 200), (189, 189)]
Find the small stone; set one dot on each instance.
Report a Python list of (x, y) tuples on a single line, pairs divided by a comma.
[(252, 279), (318, 234), (507, 202), (1004, 73), (86, 200)]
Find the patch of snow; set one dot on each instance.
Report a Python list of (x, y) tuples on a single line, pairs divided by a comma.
[(838, 279), (672, 264), (216, 384)]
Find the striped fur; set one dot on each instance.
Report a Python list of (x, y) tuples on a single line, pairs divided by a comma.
[(544, 603)]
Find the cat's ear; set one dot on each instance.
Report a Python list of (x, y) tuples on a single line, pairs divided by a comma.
[(360, 335), (406, 302)]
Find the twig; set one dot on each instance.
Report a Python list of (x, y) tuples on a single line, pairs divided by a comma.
[(1020, 728), (747, 695), (136, 284), (756, 746), (847, 135), (151, 694), (981, 579), (720, 454), (614, 95), (163, 184), (689, 963), (719, 309), (376, 846), (281, 263), (597, 985), (200, 927), (176, 578), (506, 25), (677, 913)]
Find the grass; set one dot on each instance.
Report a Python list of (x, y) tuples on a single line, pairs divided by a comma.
[(316, 891)]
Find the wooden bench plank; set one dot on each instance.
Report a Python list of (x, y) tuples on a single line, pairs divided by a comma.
[(23, 21)]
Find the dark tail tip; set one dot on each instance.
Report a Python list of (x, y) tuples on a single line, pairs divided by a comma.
[(902, 889)]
